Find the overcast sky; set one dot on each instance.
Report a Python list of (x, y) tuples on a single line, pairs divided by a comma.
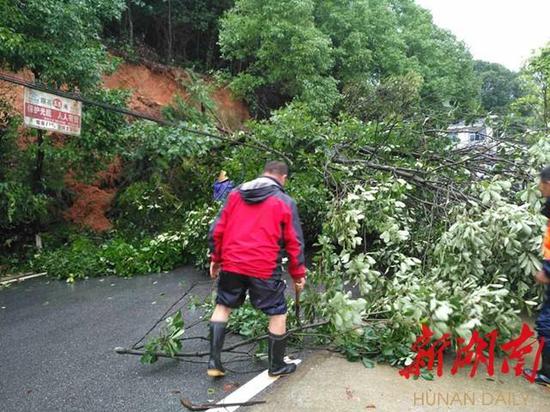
[(501, 31)]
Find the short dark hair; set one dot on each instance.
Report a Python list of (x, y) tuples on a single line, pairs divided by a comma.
[(276, 167), (545, 174)]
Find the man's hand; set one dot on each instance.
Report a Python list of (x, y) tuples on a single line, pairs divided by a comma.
[(299, 284), (541, 278), (215, 269)]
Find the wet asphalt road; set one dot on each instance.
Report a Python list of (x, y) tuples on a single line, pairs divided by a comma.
[(57, 341)]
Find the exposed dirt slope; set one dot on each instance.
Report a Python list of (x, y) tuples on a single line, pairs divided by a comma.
[(13, 94), (93, 201), (153, 87), (156, 86)]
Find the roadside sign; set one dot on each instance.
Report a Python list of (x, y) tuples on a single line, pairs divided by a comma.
[(50, 112)]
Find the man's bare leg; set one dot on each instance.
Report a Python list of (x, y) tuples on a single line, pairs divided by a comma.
[(221, 313), (277, 324)]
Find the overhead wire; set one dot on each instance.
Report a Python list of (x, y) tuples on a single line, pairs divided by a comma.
[(78, 97)]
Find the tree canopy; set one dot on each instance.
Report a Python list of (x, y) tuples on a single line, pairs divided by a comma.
[(59, 41), (499, 86), (283, 44)]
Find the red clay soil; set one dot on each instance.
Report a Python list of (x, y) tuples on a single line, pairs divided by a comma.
[(90, 206), (24, 139), (12, 93), (92, 202), (153, 87), (110, 176), (231, 113)]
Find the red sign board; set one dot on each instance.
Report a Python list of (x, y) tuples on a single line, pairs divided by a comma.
[(50, 112)]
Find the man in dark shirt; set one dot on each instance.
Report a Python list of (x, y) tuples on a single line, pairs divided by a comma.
[(222, 187), (257, 225)]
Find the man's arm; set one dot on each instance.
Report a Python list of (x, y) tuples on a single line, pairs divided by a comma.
[(294, 244)]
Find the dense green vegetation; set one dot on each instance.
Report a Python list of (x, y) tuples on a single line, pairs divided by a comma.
[(405, 228)]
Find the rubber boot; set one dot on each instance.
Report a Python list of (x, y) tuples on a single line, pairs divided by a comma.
[(217, 336), (543, 374), (276, 353)]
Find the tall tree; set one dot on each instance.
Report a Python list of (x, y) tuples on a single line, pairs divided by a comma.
[(499, 86), (275, 44), (539, 68), (57, 40), (177, 30), (532, 109), (364, 36), (444, 63), (342, 43)]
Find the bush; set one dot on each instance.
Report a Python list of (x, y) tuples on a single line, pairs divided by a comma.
[(146, 207), (195, 232), (80, 259), (84, 257), (20, 207)]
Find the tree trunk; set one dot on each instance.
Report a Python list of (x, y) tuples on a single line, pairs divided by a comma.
[(210, 51), (170, 34), (130, 24), (198, 46)]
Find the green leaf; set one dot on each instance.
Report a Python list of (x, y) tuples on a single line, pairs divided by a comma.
[(367, 362), (427, 375), (148, 358)]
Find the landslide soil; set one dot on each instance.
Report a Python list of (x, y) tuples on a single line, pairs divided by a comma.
[(152, 87)]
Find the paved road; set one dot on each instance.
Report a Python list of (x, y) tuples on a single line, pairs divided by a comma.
[(57, 340)]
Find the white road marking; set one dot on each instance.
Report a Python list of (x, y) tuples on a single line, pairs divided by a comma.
[(249, 390)]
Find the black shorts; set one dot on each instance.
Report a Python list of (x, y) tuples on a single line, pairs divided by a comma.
[(267, 295)]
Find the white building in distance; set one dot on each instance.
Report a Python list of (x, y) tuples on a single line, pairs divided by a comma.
[(475, 134)]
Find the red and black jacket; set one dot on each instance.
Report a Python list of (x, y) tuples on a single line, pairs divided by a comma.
[(257, 224)]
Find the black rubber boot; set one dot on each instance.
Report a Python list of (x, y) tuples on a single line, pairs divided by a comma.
[(276, 353), (543, 374), (217, 336)]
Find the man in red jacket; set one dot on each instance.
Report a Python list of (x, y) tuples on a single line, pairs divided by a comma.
[(248, 240)]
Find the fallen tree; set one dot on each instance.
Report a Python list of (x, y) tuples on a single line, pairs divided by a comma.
[(406, 229)]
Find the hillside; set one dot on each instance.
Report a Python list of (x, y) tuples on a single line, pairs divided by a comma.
[(153, 87)]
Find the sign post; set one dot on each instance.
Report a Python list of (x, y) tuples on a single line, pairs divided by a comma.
[(53, 113)]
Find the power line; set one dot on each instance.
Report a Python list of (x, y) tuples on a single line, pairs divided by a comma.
[(106, 106), (44, 88)]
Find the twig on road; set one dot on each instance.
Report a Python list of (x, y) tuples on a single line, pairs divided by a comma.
[(166, 313), (205, 406), (132, 351)]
